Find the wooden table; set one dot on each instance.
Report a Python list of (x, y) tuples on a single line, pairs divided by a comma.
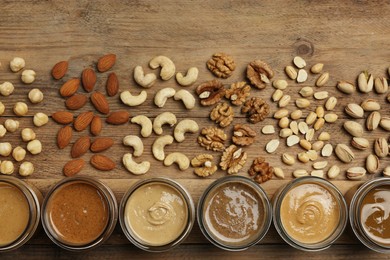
[(347, 36)]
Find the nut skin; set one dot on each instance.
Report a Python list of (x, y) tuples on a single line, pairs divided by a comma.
[(102, 162), (106, 62), (112, 85), (82, 121), (118, 117), (221, 65), (238, 93), (80, 147), (212, 138), (243, 135), (100, 102), (96, 125), (62, 117), (64, 136), (216, 90), (259, 73), (256, 109), (233, 159), (73, 167), (222, 114), (59, 69), (70, 87), (101, 144), (88, 78), (261, 170), (76, 101), (203, 165)]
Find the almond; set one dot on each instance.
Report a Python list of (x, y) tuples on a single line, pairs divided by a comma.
[(83, 120), (73, 167), (106, 62), (62, 117), (102, 162), (64, 136), (88, 78), (96, 125), (59, 70), (80, 147), (100, 102), (118, 117), (70, 87), (112, 86), (76, 101), (101, 144)]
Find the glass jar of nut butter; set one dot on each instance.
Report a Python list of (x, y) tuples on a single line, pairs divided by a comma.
[(19, 212), (310, 213), (234, 213), (79, 213), (369, 214)]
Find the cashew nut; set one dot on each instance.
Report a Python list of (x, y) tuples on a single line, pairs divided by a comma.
[(143, 80), (162, 119), (130, 100), (135, 142), (133, 167), (187, 98), (145, 123), (162, 95), (158, 146), (180, 159), (189, 78), (166, 64), (186, 125)]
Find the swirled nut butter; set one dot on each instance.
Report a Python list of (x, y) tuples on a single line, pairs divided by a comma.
[(79, 212), (310, 213), (156, 214), (234, 213)]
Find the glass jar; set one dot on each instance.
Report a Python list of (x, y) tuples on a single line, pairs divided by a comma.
[(369, 214), (310, 213), (19, 212), (156, 214), (234, 213), (79, 213)]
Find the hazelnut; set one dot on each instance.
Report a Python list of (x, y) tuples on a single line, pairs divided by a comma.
[(40, 119), (28, 76), (20, 109), (35, 96), (17, 64), (26, 169), (7, 167), (2, 108), (5, 149), (6, 88), (34, 147), (3, 131), (19, 153), (11, 125), (28, 134)]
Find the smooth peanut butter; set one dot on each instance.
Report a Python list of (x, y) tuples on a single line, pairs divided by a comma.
[(14, 213), (309, 213), (156, 213), (375, 214)]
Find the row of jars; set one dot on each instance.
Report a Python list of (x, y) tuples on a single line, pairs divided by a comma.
[(157, 214)]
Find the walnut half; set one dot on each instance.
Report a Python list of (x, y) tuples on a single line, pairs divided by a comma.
[(212, 138), (221, 65), (256, 109), (233, 159), (243, 135), (261, 170), (222, 114), (238, 92), (210, 92), (203, 165), (259, 73)]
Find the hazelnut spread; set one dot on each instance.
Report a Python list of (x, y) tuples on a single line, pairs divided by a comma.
[(234, 213), (156, 213), (309, 213), (14, 213), (78, 213), (375, 214)]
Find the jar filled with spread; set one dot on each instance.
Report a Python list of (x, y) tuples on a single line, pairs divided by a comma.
[(370, 214), (79, 213), (234, 213), (310, 213), (156, 214)]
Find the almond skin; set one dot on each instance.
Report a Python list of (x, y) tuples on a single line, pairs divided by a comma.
[(118, 117), (82, 121), (59, 70), (101, 144), (100, 102), (64, 136), (73, 167), (76, 101), (96, 125), (80, 147), (112, 85), (70, 87), (106, 62), (62, 117), (102, 162), (88, 78)]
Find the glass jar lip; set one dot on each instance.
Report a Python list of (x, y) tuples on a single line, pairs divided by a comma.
[(190, 220), (354, 212), (236, 179), (112, 213), (34, 210), (278, 198)]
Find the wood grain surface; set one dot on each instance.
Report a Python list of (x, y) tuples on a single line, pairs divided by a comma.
[(347, 36)]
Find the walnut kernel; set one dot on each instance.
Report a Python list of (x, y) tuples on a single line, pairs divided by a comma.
[(233, 159), (213, 138), (259, 73), (238, 92), (221, 65), (222, 114), (210, 92), (261, 170), (243, 135), (203, 165), (256, 109)]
